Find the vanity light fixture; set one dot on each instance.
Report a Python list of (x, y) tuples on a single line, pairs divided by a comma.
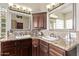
[(53, 6), (19, 8), (53, 16), (29, 9), (48, 6), (24, 8)]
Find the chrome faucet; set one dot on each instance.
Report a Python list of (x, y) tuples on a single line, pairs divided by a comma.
[(52, 35)]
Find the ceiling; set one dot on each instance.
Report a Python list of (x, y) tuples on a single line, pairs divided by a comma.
[(66, 9), (36, 7)]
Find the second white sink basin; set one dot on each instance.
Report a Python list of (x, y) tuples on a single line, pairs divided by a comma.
[(23, 37), (50, 38)]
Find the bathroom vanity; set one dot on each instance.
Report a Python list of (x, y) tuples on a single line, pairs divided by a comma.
[(20, 25), (49, 48), (34, 46), (21, 47)]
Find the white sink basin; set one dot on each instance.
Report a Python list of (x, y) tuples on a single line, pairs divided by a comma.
[(50, 38), (23, 37)]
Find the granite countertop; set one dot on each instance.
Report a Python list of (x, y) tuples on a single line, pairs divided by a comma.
[(59, 43)]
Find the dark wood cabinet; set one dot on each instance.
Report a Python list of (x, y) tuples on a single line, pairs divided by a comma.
[(35, 47), (9, 51), (23, 51), (8, 48), (35, 21), (44, 48), (40, 20), (17, 48), (55, 51), (48, 49), (72, 52), (24, 47)]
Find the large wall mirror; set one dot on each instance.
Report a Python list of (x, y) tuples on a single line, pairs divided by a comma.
[(62, 17), (19, 21)]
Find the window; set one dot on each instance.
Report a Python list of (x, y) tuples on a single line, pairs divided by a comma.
[(69, 24), (62, 18), (56, 24), (59, 24)]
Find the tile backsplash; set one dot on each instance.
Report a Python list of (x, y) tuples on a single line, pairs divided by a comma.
[(61, 33), (21, 32)]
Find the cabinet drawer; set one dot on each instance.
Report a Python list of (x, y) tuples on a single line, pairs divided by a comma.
[(42, 53), (56, 50), (9, 51), (44, 48), (54, 53), (43, 42), (8, 44)]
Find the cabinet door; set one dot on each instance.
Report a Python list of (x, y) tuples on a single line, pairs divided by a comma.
[(35, 21), (24, 47), (34, 51), (43, 48), (8, 48), (55, 51), (45, 20), (41, 21), (11, 51), (23, 51), (35, 47)]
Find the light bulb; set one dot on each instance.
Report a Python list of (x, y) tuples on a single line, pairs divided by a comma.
[(48, 6), (29, 9), (24, 8), (17, 6), (53, 16)]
